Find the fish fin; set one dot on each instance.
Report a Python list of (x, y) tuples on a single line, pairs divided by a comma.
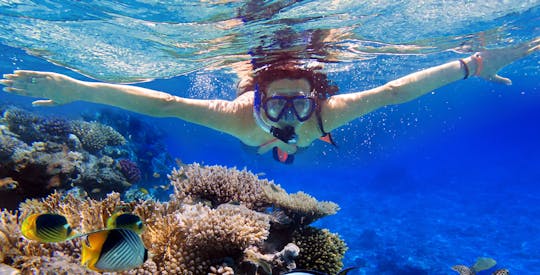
[(28, 227), (111, 220), (91, 248), (346, 270), (483, 263)]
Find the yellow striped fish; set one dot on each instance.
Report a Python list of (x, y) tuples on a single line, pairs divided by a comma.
[(126, 220), (111, 250), (46, 228)]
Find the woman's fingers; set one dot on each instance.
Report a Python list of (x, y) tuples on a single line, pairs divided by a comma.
[(26, 83), (44, 102), (14, 90), (533, 46), (499, 79), (6, 82)]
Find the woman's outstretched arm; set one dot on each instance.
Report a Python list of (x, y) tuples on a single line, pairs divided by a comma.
[(340, 109), (221, 115)]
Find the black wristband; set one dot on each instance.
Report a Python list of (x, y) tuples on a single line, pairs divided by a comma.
[(464, 65)]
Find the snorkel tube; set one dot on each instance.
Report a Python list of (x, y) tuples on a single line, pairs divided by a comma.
[(286, 135)]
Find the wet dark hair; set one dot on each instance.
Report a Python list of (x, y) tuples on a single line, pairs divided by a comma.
[(318, 81)]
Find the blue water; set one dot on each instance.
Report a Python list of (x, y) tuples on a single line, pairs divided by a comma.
[(422, 186)]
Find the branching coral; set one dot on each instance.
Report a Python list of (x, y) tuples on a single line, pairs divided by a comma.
[(217, 185)]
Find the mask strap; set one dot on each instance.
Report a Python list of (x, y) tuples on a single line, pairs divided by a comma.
[(257, 111), (286, 135)]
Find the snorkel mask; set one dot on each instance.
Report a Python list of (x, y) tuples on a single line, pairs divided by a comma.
[(287, 134)]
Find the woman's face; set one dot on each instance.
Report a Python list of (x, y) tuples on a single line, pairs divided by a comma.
[(286, 100)]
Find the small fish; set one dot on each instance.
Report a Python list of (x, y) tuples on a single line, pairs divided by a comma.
[(46, 228), (313, 272), (111, 250), (165, 187), (144, 191), (126, 220), (482, 263)]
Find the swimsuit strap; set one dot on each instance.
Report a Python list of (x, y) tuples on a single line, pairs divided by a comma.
[(321, 127), (325, 134)]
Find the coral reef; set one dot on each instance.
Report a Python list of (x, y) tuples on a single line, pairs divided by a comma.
[(145, 146), (41, 154), (188, 235)]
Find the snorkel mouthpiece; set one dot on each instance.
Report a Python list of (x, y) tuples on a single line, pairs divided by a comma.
[(286, 134)]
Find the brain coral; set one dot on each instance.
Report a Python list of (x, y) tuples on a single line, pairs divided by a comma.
[(319, 250)]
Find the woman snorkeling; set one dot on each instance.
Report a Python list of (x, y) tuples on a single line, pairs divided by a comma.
[(283, 106)]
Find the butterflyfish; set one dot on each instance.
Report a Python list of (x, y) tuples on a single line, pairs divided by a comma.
[(126, 220), (46, 228), (111, 250)]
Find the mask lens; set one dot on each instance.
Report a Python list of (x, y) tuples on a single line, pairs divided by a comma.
[(303, 107), (274, 106)]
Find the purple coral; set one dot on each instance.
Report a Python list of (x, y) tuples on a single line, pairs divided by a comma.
[(130, 170)]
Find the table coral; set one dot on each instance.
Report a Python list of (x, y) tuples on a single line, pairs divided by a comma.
[(218, 184)]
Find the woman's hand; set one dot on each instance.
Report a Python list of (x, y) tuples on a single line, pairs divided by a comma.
[(494, 60), (57, 88)]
